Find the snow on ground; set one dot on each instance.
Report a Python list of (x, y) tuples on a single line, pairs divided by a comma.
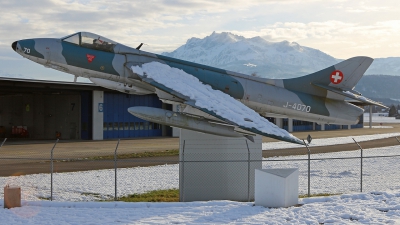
[(380, 119), (95, 184), (328, 141), (361, 208), (342, 140), (330, 173), (327, 176), (374, 127)]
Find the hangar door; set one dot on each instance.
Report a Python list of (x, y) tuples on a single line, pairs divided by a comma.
[(41, 115), (119, 123)]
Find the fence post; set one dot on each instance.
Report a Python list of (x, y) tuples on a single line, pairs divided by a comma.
[(309, 169), (115, 171), (183, 171), (361, 165), (248, 172), (394, 137), (5, 139), (51, 174)]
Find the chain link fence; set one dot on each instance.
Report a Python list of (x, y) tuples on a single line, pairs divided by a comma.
[(56, 175)]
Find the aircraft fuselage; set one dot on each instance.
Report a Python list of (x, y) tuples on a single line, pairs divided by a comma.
[(112, 63)]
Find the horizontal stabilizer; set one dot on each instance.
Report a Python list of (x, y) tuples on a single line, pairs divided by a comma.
[(351, 94)]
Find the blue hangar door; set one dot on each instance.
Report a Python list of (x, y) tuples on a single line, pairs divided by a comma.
[(119, 123)]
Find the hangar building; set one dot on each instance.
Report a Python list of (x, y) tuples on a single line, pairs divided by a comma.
[(40, 109)]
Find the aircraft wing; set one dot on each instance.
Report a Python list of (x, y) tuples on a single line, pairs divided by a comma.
[(213, 102)]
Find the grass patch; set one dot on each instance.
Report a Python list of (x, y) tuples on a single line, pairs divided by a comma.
[(98, 195), (170, 195), (44, 198), (319, 195), (139, 155), (174, 152)]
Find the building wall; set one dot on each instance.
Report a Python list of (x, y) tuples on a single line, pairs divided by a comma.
[(43, 115), (97, 115), (86, 115), (119, 123)]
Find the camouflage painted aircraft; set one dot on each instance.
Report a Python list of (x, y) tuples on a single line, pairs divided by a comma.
[(318, 97)]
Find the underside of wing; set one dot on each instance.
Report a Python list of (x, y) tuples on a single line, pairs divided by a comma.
[(361, 100), (213, 102)]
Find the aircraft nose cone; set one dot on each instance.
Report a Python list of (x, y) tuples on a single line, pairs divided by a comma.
[(14, 45), (135, 110)]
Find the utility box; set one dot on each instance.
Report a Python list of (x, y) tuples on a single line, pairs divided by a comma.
[(276, 187), (12, 196)]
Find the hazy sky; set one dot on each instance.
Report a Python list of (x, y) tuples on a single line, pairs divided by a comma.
[(340, 28)]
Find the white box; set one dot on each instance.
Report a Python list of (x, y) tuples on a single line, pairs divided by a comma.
[(276, 187)]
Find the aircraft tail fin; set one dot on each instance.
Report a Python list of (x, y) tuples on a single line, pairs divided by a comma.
[(341, 76)]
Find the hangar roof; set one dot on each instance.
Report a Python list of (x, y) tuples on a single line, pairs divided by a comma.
[(15, 85)]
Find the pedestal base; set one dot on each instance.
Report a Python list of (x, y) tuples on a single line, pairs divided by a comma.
[(217, 168)]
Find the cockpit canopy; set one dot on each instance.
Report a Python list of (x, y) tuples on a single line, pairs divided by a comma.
[(90, 40)]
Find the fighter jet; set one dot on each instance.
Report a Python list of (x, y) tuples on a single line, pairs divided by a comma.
[(205, 93)]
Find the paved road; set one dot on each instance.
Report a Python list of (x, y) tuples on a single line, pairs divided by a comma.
[(33, 156), (20, 167), (333, 148)]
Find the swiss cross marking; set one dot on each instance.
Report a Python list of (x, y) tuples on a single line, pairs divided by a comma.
[(336, 77), (90, 58)]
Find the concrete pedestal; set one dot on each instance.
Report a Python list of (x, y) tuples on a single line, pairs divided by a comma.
[(12, 197), (217, 168), (276, 187)]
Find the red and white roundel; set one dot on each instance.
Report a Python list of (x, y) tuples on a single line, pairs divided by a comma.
[(336, 77), (90, 57)]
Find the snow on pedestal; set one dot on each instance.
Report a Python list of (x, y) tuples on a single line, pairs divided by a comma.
[(276, 187)]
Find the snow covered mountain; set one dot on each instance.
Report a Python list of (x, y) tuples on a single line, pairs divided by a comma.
[(385, 66), (260, 57)]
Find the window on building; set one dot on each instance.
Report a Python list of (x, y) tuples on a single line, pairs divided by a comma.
[(104, 126)]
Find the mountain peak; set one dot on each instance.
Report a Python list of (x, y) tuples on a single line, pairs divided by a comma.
[(226, 37), (268, 59)]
